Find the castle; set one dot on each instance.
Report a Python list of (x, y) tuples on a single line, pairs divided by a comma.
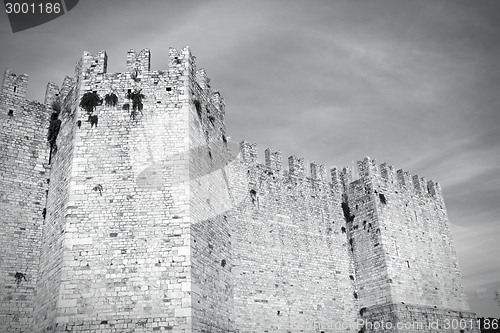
[(133, 216)]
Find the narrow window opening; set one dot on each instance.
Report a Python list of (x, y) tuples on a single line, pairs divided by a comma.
[(15, 88), (408, 263), (253, 195), (382, 199)]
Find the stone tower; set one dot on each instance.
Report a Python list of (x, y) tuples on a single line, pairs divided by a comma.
[(23, 185), (401, 245), (122, 222), (131, 215)]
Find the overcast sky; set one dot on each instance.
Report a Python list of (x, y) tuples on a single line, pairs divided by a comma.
[(415, 84)]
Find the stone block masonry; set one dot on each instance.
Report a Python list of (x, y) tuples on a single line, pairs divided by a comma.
[(291, 265), (131, 215), (23, 185)]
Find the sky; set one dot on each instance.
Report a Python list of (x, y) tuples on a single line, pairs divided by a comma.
[(413, 83)]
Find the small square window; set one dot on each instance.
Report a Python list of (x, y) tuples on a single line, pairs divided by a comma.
[(169, 88), (11, 112)]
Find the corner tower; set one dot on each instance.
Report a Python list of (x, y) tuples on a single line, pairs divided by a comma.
[(406, 266), (23, 182), (127, 238)]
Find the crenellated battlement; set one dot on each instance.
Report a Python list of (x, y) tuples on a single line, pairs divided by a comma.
[(91, 74), (202, 79), (67, 85), (248, 152), (318, 171), (296, 166), (14, 85), (273, 161), (15, 105), (415, 184), (213, 96), (51, 94), (341, 179), (176, 56), (136, 184), (181, 68), (94, 64), (139, 63)]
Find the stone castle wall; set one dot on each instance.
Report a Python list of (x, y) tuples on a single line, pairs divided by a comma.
[(212, 284), (150, 224), (23, 182), (402, 246), (51, 255), (292, 269), (124, 250)]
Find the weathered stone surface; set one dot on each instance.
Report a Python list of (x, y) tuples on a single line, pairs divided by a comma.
[(23, 182), (140, 220)]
